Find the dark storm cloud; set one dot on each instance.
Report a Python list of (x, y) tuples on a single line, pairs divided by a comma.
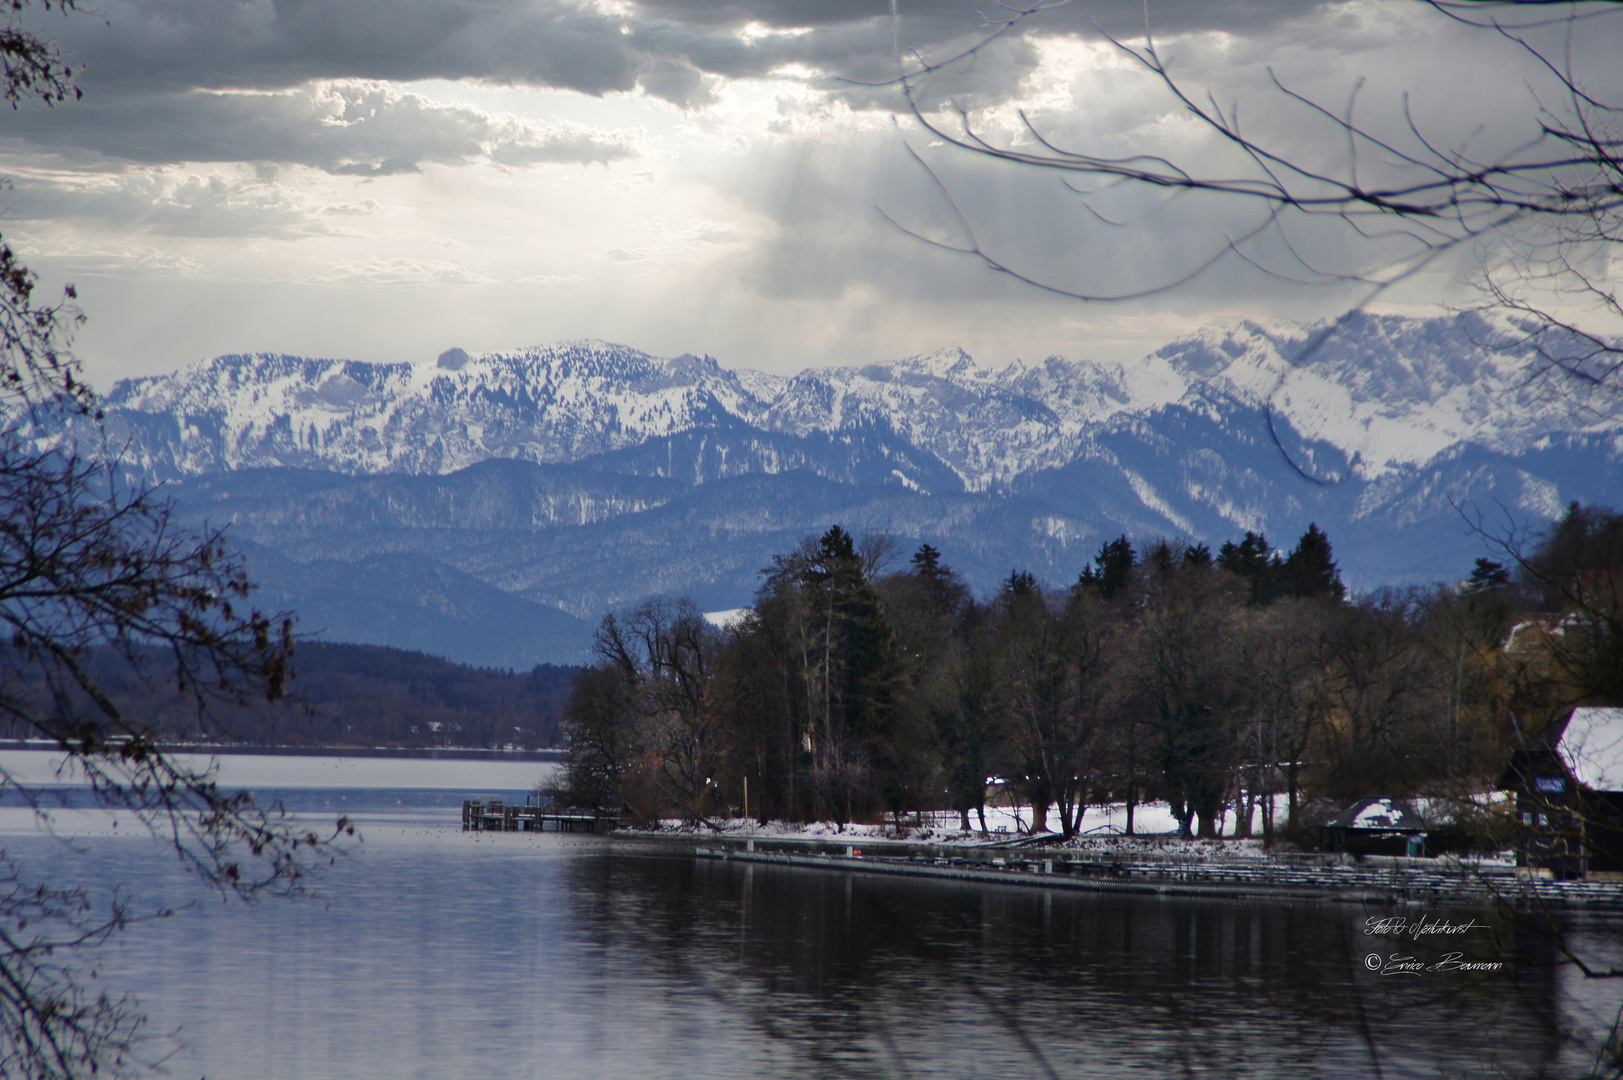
[(144, 60), (171, 45), (176, 44), (953, 16), (360, 128), (1460, 86)]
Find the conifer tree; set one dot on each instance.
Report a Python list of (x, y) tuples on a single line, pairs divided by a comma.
[(1020, 583), (927, 561), (1309, 570), (1252, 559), (1115, 563), (1487, 574), (849, 671)]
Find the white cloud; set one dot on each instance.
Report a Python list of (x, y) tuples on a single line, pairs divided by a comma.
[(213, 201), (399, 270), (231, 163)]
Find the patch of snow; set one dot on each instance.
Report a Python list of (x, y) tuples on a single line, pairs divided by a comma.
[(1101, 826), (1151, 498), (1540, 497), (907, 481), (1380, 814), (1592, 745), (728, 619)]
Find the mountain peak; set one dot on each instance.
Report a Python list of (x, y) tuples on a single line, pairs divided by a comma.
[(1394, 391), (941, 363)]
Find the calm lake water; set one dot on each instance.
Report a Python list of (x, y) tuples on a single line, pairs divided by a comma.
[(436, 954)]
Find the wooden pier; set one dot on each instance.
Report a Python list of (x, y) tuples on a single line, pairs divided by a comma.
[(496, 816)]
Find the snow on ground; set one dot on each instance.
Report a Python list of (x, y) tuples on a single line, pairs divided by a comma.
[(1103, 828)]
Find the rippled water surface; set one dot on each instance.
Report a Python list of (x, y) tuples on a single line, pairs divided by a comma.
[(436, 954)]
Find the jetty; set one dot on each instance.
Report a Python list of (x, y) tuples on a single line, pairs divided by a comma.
[(1306, 876), (497, 816)]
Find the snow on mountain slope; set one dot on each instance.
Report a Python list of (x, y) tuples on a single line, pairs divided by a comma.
[(551, 404), (1387, 392), (989, 426), (582, 477)]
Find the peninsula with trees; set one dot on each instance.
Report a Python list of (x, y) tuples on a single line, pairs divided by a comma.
[(1242, 686)]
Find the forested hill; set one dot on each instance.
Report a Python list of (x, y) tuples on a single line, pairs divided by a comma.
[(356, 696)]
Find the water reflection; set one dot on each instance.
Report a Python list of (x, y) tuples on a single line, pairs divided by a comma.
[(437, 954), (868, 975)]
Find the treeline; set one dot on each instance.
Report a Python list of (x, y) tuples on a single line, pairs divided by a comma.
[(1209, 681), (340, 696)]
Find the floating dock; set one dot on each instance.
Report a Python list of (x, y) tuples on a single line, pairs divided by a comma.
[(497, 816)]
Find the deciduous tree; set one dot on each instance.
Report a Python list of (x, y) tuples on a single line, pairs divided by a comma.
[(87, 564)]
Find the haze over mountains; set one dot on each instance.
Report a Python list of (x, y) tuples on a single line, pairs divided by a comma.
[(492, 508)]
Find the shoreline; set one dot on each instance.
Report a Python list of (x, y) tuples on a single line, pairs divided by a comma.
[(1279, 877), (446, 753)]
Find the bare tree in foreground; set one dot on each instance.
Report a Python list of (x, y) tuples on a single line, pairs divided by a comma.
[(1543, 214), (87, 562)]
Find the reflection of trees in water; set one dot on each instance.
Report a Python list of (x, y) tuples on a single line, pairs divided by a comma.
[(1585, 1012), (855, 975)]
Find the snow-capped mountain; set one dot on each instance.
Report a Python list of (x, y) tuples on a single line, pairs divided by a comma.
[(586, 475), (1386, 391), (551, 404)]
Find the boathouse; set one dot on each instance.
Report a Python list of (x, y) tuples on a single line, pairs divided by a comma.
[(1375, 826), (1568, 785)]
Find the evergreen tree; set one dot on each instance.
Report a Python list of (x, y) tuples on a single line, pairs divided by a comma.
[(1253, 560), (1309, 570), (1115, 563), (836, 551), (927, 561), (1160, 557), (1487, 574), (1580, 551), (849, 672), (1020, 583), (970, 728), (1577, 570)]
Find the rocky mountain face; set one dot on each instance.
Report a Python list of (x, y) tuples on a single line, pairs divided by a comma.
[(491, 508)]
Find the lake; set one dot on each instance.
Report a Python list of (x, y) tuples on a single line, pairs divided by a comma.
[(431, 953)]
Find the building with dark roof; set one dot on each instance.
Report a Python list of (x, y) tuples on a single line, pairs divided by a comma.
[(1568, 784), (1375, 826)]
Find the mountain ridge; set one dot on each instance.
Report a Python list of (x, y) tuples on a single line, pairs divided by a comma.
[(583, 476), (1394, 390)]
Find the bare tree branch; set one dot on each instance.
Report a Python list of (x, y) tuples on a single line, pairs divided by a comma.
[(1547, 212)]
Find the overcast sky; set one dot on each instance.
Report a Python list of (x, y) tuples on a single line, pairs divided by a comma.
[(385, 179)]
